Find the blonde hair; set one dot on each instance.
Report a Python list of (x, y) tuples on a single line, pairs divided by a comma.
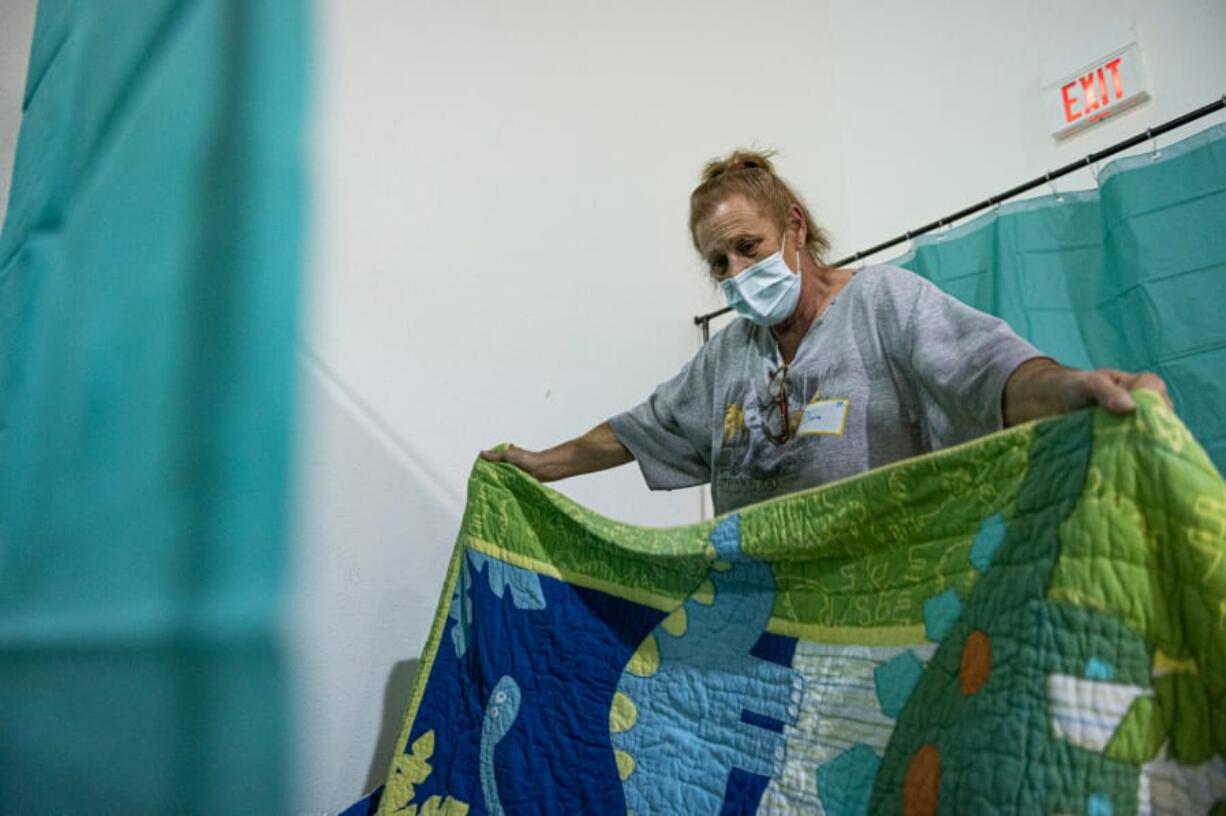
[(751, 174)]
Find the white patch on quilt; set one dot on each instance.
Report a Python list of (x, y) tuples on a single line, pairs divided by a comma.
[(839, 710), (1167, 787), (1087, 712)]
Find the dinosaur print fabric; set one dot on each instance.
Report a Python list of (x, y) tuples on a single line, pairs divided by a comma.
[(1034, 622)]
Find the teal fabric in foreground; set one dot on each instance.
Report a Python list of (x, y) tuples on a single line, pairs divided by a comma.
[(1131, 276), (148, 299)]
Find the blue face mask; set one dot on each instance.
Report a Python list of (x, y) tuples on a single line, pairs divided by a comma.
[(767, 292)]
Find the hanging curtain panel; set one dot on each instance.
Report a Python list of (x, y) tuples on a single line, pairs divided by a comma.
[(148, 299), (1131, 275)]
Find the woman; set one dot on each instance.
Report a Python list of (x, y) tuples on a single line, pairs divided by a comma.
[(828, 373)]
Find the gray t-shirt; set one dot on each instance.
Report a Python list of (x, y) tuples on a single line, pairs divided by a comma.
[(893, 368)]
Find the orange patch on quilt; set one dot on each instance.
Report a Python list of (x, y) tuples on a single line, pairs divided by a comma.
[(976, 662), (922, 785)]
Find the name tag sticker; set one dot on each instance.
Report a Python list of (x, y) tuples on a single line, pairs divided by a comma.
[(828, 416)]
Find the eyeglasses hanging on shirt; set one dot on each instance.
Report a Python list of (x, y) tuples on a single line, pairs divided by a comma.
[(777, 391)]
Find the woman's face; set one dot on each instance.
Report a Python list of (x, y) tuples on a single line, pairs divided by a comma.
[(736, 235)]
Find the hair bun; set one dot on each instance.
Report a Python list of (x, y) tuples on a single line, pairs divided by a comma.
[(736, 161)]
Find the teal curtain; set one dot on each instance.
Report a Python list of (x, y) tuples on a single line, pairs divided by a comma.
[(1131, 275), (148, 298)]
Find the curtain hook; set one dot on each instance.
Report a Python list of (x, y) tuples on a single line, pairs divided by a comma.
[(1054, 190), (1093, 165), (941, 228), (1153, 154)]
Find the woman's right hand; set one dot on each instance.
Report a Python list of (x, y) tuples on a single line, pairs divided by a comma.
[(526, 460), (596, 450)]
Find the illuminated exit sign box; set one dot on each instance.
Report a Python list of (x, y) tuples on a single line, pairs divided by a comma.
[(1106, 85)]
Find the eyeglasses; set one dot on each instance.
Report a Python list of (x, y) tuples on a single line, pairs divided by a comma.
[(777, 390)]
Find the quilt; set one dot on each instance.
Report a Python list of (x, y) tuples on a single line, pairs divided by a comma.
[(1034, 622)]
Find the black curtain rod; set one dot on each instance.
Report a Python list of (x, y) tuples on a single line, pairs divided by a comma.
[(1151, 133)]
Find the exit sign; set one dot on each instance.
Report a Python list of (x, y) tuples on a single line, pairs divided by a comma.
[(1094, 91)]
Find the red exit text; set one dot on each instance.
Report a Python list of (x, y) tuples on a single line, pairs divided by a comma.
[(1090, 93)]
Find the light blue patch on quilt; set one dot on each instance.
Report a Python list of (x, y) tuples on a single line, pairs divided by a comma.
[(895, 680), (726, 539), (1098, 669), (689, 734), (987, 541), (1099, 804), (500, 714), (525, 586), (845, 783), (526, 592), (940, 614)]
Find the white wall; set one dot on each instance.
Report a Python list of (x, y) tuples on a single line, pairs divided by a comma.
[(500, 250), (16, 32)]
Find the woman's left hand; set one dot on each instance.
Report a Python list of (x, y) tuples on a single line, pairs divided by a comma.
[(1110, 388), (1042, 387)]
